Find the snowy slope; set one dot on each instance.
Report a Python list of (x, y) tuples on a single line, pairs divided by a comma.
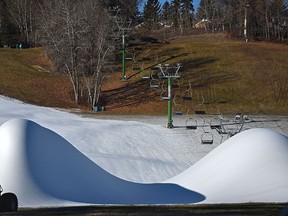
[(43, 169), (53, 158), (117, 146), (250, 167)]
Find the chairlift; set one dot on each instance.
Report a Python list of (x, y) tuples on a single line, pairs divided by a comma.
[(191, 124), (200, 109), (154, 83), (230, 126), (145, 77), (207, 138), (146, 59), (165, 93), (129, 56), (176, 105), (187, 96), (155, 68), (215, 123), (137, 66), (177, 113)]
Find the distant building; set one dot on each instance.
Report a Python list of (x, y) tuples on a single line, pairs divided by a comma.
[(202, 24)]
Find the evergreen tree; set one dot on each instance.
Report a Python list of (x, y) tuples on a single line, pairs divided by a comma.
[(176, 12), (187, 11), (166, 12), (151, 13), (152, 10)]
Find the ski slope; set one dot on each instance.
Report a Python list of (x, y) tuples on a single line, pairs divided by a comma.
[(54, 158)]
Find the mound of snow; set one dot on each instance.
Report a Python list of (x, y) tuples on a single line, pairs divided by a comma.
[(250, 167), (44, 169)]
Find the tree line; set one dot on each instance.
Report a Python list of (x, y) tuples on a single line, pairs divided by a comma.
[(80, 37), (264, 19)]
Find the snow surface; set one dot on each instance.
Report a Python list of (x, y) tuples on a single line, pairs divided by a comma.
[(54, 158)]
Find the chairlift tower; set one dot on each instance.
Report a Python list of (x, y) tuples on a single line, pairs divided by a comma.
[(170, 73), (123, 28)]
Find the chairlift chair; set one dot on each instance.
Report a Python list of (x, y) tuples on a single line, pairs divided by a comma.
[(177, 113), (187, 95), (200, 109), (230, 126), (129, 56), (207, 138), (191, 124), (176, 104), (215, 123), (154, 83), (165, 93), (146, 59), (145, 76), (137, 66)]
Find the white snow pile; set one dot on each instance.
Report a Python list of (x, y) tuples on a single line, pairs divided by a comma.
[(249, 167), (42, 162), (42, 168)]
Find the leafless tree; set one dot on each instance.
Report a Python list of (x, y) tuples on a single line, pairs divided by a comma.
[(74, 34), (23, 15)]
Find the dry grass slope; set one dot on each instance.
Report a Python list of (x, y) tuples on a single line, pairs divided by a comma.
[(27, 75), (221, 75)]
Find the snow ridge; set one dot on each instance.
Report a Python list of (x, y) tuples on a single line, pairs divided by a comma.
[(43, 169)]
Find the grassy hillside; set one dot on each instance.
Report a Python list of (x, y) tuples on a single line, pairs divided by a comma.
[(27, 75), (228, 76), (220, 75)]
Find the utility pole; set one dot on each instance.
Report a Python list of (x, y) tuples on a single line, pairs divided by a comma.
[(123, 56), (245, 21)]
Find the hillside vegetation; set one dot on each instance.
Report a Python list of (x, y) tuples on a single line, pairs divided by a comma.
[(221, 75)]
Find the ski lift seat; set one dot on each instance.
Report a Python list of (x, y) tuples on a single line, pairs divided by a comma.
[(215, 126), (136, 68), (145, 77), (200, 112), (177, 113), (207, 138), (187, 98), (165, 98), (191, 124), (193, 127), (153, 86)]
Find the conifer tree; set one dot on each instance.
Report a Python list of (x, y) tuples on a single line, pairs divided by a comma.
[(151, 13)]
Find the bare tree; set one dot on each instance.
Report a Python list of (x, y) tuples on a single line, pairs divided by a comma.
[(74, 34), (23, 15)]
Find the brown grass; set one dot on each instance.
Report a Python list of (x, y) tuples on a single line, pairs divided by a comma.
[(230, 75), (28, 76)]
